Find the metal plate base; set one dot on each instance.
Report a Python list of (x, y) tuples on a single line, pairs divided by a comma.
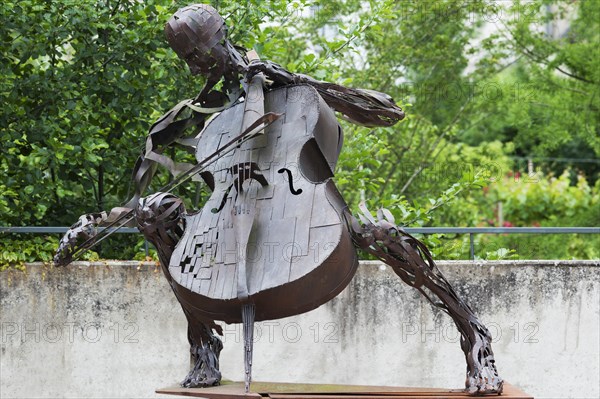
[(234, 390)]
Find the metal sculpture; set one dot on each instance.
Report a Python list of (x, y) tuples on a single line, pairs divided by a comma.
[(269, 158)]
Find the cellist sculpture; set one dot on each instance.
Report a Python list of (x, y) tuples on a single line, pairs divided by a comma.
[(275, 238)]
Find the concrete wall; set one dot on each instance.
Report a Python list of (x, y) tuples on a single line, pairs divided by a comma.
[(115, 330)]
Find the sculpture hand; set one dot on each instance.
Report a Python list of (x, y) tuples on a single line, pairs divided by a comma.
[(272, 71), (80, 232)]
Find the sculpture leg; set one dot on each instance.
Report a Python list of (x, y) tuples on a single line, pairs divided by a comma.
[(412, 262), (161, 218), (205, 348)]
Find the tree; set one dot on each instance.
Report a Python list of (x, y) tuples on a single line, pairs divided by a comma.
[(551, 98), (469, 74), (81, 82)]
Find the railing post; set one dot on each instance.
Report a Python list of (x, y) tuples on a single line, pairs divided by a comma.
[(471, 246)]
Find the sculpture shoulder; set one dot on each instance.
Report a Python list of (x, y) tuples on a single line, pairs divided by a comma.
[(301, 94)]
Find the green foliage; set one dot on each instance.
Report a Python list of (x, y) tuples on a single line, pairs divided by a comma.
[(546, 201), (535, 199), (140, 252), (81, 82), (548, 87), (15, 252)]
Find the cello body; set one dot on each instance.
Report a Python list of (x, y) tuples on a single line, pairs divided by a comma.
[(298, 252)]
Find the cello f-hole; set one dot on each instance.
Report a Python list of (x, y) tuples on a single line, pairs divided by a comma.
[(223, 201), (290, 181)]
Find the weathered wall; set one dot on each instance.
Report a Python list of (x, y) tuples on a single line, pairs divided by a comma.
[(111, 330)]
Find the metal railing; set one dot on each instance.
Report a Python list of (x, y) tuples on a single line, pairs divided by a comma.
[(471, 231)]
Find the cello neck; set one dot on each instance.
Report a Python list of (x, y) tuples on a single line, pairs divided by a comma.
[(254, 107)]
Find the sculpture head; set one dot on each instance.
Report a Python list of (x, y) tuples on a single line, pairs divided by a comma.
[(198, 35)]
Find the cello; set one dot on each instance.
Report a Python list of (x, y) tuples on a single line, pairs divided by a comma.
[(272, 232)]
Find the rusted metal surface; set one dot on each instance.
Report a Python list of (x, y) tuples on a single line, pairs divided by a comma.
[(275, 238), (412, 262)]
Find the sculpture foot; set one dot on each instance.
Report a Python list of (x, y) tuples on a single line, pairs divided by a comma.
[(205, 372), (196, 380), (484, 380), (480, 386), (482, 375)]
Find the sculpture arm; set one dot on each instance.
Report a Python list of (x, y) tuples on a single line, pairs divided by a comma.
[(359, 106), (170, 129), (165, 132), (82, 234)]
